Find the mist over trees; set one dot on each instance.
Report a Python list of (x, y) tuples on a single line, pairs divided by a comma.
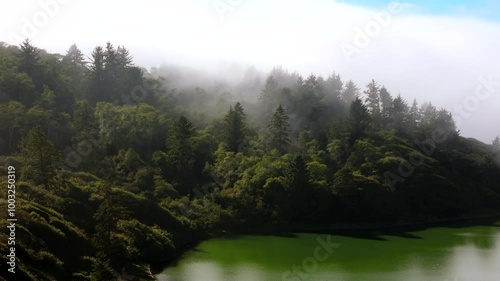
[(132, 165)]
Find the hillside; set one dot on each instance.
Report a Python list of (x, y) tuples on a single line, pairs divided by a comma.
[(117, 168)]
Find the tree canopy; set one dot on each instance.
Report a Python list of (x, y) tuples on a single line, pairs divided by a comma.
[(127, 166)]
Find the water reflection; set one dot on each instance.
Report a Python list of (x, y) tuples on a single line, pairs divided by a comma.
[(469, 262), (478, 259)]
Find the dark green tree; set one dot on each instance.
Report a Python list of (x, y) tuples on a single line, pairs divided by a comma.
[(12, 115), (235, 128), (386, 106), (400, 115), (74, 66), (270, 89), (358, 121), (112, 72), (75, 57), (40, 157), (86, 140), (300, 190), (123, 57), (279, 130), (372, 93), (30, 63), (96, 77), (84, 122), (415, 115), (101, 268), (269, 97), (106, 218), (180, 151), (350, 92), (29, 60)]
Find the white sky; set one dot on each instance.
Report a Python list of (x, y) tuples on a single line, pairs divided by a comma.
[(428, 57)]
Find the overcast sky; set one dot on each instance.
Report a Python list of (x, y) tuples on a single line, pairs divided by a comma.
[(425, 49)]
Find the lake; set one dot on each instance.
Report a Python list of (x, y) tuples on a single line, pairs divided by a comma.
[(449, 253)]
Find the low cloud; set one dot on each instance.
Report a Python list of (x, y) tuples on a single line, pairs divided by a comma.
[(429, 57)]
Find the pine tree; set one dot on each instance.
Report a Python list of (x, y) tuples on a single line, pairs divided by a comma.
[(386, 106), (96, 77), (270, 87), (235, 128), (268, 98), (40, 157), (74, 57), (350, 92), (279, 130), (124, 59), (108, 214), (373, 102), (180, 150), (29, 58), (415, 115), (112, 72), (299, 189), (74, 66), (496, 143), (12, 115), (86, 137), (31, 64), (335, 85), (400, 114), (358, 121)]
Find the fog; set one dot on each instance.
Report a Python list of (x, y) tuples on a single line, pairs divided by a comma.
[(415, 49)]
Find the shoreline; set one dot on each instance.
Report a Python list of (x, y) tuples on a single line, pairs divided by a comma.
[(273, 229)]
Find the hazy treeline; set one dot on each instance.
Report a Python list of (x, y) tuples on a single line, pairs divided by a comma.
[(127, 166)]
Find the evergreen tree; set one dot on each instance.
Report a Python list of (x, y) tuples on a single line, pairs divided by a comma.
[(29, 63), (358, 121), (299, 188), (40, 157), (415, 115), (350, 92), (180, 151), (123, 57), (373, 102), (74, 66), (386, 107), (74, 57), (445, 123), (235, 128), (108, 214), (86, 139), (496, 143), (84, 121), (400, 114), (269, 97), (335, 85), (96, 77), (279, 130), (112, 72), (29, 59), (12, 115)]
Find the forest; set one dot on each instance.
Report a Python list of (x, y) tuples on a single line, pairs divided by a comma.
[(119, 167)]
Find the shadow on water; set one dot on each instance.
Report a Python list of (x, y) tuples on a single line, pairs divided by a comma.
[(408, 231), (158, 268), (379, 232), (374, 232)]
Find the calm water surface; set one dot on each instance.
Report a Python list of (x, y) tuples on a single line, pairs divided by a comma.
[(452, 253)]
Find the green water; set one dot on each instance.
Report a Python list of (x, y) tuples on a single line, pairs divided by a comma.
[(453, 253)]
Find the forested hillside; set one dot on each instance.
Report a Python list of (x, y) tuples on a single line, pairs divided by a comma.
[(118, 167)]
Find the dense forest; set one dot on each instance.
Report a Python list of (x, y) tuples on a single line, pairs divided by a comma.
[(118, 167)]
